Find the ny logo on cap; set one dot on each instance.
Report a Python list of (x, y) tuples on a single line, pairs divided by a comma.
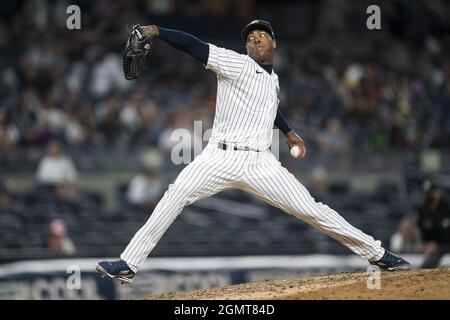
[(255, 21)]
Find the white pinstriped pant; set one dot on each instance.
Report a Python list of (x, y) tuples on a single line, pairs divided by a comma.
[(258, 173)]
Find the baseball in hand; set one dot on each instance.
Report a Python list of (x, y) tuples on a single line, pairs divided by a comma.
[(295, 152)]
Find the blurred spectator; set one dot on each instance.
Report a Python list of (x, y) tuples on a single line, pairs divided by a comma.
[(65, 199), (407, 238), (320, 180), (434, 223), (333, 139), (9, 134), (144, 189), (108, 75), (6, 199), (56, 240), (56, 168)]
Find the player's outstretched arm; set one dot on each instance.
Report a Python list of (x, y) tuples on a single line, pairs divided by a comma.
[(180, 40), (225, 63)]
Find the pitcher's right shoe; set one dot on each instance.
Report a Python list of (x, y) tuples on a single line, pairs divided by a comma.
[(118, 270), (391, 262)]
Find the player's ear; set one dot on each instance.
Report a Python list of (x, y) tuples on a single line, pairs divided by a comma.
[(274, 44)]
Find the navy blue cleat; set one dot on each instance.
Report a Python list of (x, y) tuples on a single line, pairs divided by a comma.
[(391, 262), (118, 270)]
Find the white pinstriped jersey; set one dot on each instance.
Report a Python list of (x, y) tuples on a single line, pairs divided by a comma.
[(247, 100)]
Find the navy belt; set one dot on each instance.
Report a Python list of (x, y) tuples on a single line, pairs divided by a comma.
[(225, 146)]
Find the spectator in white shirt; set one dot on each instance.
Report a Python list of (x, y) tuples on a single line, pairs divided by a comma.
[(144, 189), (56, 168)]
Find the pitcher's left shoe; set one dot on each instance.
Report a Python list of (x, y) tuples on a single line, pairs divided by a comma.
[(391, 262), (116, 270)]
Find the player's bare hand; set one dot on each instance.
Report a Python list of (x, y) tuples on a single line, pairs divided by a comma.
[(151, 31), (294, 140)]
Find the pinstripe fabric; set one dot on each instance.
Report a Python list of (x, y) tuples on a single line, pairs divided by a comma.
[(212, 171), (267, 179), (258, 173), (247, 101)]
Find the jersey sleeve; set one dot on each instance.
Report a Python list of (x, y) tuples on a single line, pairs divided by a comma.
[(225, 63)]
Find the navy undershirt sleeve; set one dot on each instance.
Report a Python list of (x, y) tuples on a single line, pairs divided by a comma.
[(281, 123), (187, 43)]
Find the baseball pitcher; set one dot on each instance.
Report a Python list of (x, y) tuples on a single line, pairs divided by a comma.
[(237, 155)]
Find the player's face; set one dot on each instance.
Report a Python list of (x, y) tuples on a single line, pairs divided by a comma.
[(260, 46)]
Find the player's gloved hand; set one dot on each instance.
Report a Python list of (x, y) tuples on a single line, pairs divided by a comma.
[(137, 48), (292, 139)]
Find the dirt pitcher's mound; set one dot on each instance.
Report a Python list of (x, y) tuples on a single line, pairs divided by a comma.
[(413, 284)]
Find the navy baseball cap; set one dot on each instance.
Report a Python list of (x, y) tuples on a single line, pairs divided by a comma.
[(257, 25)]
